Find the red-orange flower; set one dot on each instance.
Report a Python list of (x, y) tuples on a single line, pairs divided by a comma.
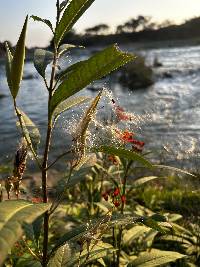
[(113, 159), (116, 203), (37, 200), (116, 192), (123, 199), (105, 196), (120, 112)]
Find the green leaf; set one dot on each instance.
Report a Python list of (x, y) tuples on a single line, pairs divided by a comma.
[(87, 71), (9, 59), (79, 176), (30, 130), (69, 255), (64, 74), (41, 60), (46, 21), (63, 4), (70, 16), (12, 216), (123, 153), (134, 233), (69, 103), (155, 258), (27, 263), (17, 66), (37, 228), (155, 225), (144, 180), (174, 169), (65, 47)]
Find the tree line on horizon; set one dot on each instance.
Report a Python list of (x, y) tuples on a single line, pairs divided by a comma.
[(138, 24)]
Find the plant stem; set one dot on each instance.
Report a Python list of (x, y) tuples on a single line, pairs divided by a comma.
[(122, 212), (59, 157), (46, 151)]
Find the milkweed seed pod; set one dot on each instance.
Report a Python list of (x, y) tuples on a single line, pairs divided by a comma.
[(1, 193), (8, 186), (20, 160), (19, 166)]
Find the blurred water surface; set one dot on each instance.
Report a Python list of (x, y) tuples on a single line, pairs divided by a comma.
[(172, 130)]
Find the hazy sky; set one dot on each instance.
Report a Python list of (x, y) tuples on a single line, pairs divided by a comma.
[(113, 12)]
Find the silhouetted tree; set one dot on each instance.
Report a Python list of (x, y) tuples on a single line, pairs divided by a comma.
[(136, 24), (165, 23), (97, 30)]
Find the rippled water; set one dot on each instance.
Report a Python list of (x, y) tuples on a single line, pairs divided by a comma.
[(173, 106)]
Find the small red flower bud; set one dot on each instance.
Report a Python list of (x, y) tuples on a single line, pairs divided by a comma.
[(116, 192), (117, 204), (37, 200), (105, 196), (123, 199), (109, 191)]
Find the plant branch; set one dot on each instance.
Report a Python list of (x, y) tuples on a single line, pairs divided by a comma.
[(54, 207), (46, 152), (58, 158), (122, 211)]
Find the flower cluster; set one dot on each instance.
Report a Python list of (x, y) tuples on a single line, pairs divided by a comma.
[(115, 195), (120, 113), (127, 137), (113, 159)]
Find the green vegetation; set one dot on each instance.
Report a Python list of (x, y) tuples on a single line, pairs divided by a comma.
[(100, 214)]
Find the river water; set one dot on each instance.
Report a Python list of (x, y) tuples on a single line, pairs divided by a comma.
[(171, 107)]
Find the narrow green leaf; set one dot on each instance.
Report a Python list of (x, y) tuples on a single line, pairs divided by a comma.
[(30, 130), (9, 59), (41, 60), (69, 255), (124, 153), (64, 74), (46, 21), (99, 65), (68, 104), (12, 216), (23, 262), (144, 180), (63, 4), (156, 258), (79, 176), (18, 61), (70, 16), (65, 47), (174, 169), (135, 232)]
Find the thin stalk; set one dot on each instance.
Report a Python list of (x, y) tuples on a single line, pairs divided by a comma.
[(37, 257), (58, 158), (122, 212), (46, 152), (54, 207)]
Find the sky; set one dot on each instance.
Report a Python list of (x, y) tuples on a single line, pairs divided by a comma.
[(112, 12)]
